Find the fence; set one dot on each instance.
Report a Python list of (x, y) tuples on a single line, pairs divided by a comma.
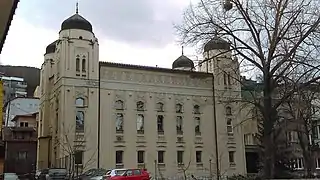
[(67, 162)]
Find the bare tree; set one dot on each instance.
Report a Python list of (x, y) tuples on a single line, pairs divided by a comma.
[(185, 167), (302, 114), (72, 147), (273, 37)]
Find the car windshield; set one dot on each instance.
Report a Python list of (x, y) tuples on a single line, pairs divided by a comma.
[(120, 172), (101, 172), (10, 175), (57, 171), (45, 171), (90, 172)]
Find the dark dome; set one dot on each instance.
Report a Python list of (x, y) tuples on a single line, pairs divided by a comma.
[(76, 22), (216, 43), (51, 48), (183, 61)]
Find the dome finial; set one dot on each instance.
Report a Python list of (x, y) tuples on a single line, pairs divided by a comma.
[(182, 50), (77, 7)]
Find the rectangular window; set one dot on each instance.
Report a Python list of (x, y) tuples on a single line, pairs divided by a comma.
[(248, 139), (79, 121), (83, 65), (318, 163), (119, 123), (180, 157), (197, 129), (140, 157), (317, 133), (198, 156), (229, 127), (24, 124), (292, 136), (160, 157), (78, 157), (140, 124), (22, 155), (231, 157), (229, 79), (160, 124), (119, 157), (298, 163), (179, 125)]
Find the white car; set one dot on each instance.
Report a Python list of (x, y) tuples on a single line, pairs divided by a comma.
[(10, 176)]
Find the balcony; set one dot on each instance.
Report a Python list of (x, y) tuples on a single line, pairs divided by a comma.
[(20, 134), (21, 85), (251, 142)]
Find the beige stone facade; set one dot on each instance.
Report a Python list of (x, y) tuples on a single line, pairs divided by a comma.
[(160, 119)]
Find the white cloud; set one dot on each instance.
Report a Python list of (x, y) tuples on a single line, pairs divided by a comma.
[(26, 43), (125, 53)]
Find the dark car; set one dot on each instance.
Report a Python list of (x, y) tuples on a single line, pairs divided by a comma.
[(57, 173), (41, 174)]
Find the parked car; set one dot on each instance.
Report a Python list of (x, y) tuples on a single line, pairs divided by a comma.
[(41, 174), (57, 173), (128, 174), (10, 176), (93, 174)]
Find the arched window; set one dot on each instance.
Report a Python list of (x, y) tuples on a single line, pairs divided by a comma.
[(229, 79), (228, 111), (225, 78), (140, 106), (78, 64), (196, 109), (119, 105), (83, 65), (229, 126), (160, 107), (178, 108), (80, 102)]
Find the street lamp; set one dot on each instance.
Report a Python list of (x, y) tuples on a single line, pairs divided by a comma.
[(227, 5)]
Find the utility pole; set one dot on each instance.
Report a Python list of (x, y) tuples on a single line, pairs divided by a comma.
[(155, 169), (210, 168)]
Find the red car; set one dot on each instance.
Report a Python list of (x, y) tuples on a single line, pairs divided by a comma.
[(128, 174)]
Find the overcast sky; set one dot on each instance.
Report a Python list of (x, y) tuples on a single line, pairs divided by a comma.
[(129, 31)]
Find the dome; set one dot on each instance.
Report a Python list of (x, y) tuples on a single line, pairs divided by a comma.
[(216, 43), (51, 48), (76, 22), (183, 62)]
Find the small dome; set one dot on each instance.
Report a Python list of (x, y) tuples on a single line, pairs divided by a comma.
[(76, 22), (216, 43), (51, 48), (183, 62)]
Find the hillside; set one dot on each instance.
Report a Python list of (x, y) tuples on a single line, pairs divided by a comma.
[(30, 74)]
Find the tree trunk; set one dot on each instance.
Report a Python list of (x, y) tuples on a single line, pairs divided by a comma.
[(309, 162), (268, 159), (268, 123)]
